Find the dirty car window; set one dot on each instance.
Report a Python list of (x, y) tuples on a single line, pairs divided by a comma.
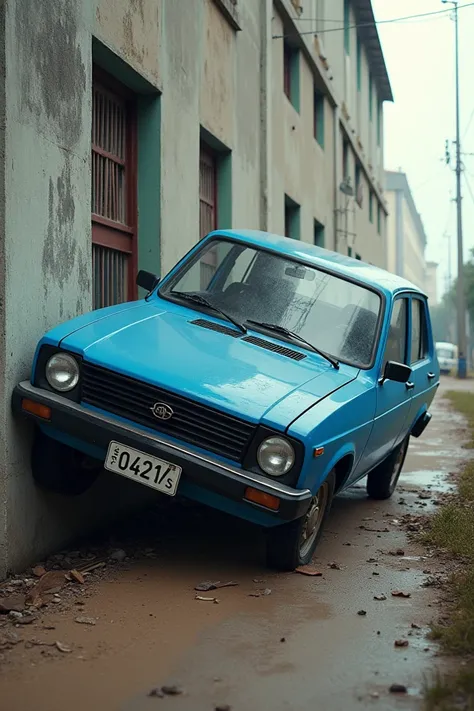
[(336, 315)]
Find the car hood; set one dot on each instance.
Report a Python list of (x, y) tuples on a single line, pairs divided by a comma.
[(164, 348)]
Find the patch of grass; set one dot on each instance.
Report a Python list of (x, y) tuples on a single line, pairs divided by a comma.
[(452, 529)]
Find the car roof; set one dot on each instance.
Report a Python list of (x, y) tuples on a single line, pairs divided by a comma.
[(326, 259)]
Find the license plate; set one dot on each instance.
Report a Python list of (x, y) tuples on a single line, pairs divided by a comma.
[(141, 467)]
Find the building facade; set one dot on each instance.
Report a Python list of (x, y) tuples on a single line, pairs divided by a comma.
[(406, 238), (128, 130)]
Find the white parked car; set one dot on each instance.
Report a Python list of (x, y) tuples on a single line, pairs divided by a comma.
[(447, 356)]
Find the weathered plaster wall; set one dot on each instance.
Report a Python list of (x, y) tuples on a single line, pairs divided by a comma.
[(301, 169), (46, 269), (3, 398)]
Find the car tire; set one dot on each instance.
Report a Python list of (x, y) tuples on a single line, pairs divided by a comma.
[(61, 469), (293, 544), (382, 481)]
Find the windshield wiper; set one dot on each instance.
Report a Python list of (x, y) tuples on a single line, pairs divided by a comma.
[(202, 300), (291, 334)]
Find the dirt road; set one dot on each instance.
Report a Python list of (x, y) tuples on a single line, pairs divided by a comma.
[(304, 646)]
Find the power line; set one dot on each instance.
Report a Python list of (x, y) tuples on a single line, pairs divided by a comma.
[(469, 187), (366, 24), (468, 124)]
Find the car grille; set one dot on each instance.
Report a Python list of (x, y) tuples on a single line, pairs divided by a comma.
[(191, 422)]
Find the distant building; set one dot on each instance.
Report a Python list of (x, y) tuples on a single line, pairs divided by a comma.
[(406, 238), (431, 282)]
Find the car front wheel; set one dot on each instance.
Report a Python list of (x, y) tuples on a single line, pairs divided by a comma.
[(382, 480), (61, 469), (293, 544)]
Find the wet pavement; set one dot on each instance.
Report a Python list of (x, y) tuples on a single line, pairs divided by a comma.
[(304, 646)]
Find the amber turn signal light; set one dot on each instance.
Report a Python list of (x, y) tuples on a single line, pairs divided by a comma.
[(36, 408), (262, 499)]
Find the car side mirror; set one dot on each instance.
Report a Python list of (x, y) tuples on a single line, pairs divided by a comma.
[(147, 280), (398, 372)]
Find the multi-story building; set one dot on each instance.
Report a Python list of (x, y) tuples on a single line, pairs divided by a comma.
[(128, 130), (406, 238)]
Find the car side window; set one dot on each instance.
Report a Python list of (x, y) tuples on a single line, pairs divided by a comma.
[(419, 339), (396, 347)]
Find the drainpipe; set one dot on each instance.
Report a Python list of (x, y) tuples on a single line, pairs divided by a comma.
[(337, 176), (266, 12)]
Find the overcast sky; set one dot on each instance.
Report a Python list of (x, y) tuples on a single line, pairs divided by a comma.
[(419, 54)]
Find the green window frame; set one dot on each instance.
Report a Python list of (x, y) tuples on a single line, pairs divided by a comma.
[(319, 108)]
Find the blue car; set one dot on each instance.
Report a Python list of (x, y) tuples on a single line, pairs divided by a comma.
[(261, 377)]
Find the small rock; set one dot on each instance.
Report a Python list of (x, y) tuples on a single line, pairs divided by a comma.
[(398, 689), (173, 690), (401, 643), (14, 615), (63, 648), (118, 555), (13, 603), (27, 619), (157, 693), (380, 597), (283, 639), (374, 572), (38, 571), (362, 613), (334, 566), (223, 707), (85, 620), (414, 626), (400, 593), (374, 695)]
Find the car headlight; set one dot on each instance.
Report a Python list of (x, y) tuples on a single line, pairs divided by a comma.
[(275, 456), (62, 372)]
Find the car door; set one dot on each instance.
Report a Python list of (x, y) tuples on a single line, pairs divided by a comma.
[(423, 377), (393, 399)]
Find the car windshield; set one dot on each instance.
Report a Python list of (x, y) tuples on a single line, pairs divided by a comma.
[(249, 284)]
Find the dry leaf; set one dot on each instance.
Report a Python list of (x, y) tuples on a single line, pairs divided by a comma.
[(305, 570)]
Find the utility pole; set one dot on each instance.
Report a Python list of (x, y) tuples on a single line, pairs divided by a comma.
[(461, 310)]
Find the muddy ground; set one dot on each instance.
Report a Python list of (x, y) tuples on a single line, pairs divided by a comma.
[(311, 643)]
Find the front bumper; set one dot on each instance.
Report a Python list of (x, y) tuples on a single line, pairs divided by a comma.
[(98, 429)]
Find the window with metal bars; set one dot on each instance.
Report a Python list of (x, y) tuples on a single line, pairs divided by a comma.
[(114, 192), (207, 209)]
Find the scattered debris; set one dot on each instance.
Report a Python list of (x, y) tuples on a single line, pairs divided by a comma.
[(424, 495), (414, 626), (207, 599), (374, 695), (51, 582), (223, 707), (334, 566), (400, 593), (118, 555), (371, 560), (307, 570), (14, 615), (398, 551), (208, 585), (156, 693), (401, 643), (380, 597), (374, 572), (375, 530), (27, 619), (14, 603), (85, 620), (398, 689), (362, 613), (283, 639), (63, 648), (261, 593)]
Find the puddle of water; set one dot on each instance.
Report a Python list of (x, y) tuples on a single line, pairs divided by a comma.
[(428, 479)]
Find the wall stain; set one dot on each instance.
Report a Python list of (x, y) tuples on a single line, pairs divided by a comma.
[(59, 249), (52, 72)]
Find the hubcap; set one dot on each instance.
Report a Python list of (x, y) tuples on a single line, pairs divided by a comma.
[(313, 519)]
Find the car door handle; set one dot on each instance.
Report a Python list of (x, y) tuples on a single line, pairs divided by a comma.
[(431, 376), (409, 386)]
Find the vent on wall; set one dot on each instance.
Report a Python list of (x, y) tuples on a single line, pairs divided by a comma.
[(275, 348), (211, 326)]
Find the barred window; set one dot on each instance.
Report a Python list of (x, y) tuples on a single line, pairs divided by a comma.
[(114, 192)]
